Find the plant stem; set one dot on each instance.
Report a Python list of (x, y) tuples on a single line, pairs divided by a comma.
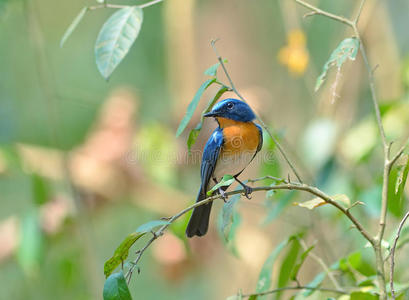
[(395, 242), (295, 288), (233, 87)]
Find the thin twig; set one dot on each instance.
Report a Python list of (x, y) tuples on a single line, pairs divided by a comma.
[(233, 87), (393, 253), (149, 3), (118, 6), (321, 12), (322, 264), (288, 288), (358, 15)]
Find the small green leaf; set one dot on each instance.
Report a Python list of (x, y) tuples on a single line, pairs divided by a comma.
[(226, 181), (288, 265), (253, 297), (115, 288), (347, 49), (122, 251), (192, 105), (40, 189), (73, 25), (264, 280), (194, 133), (363, 296), (212, 71), (116, 37), (300, 262)]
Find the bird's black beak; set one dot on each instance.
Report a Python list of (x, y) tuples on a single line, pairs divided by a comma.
[(210, 114)]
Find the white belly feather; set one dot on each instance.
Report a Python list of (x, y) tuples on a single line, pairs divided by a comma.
[(231, 164)]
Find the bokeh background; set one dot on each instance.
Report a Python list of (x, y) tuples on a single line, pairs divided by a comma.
[(84, 161)]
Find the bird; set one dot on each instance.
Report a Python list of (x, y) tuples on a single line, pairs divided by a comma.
[(229, 150)]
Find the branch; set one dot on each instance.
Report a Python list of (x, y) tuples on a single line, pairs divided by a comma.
[(117, 6), (295, 288), (279, 147), (286, 185), (393, 253), (317, 11)]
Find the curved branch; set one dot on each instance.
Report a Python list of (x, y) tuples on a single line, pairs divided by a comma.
[(286, 185), (393, 253)]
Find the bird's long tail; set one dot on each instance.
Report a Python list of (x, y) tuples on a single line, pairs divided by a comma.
[(199, 221)]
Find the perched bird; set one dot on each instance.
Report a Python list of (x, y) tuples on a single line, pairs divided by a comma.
[(229, 150)]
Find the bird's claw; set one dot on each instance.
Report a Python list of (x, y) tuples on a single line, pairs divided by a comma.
[(247, 191), (223, 195)]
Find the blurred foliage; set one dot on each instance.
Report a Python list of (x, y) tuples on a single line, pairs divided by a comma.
[(56, 110)]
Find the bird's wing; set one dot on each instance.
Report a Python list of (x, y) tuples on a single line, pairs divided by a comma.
[(210, 155), (260, 142)]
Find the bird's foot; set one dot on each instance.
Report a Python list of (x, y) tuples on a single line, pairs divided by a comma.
[(247, 189), (223, 195)]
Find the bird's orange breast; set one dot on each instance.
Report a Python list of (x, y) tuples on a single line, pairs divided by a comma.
[(239, 136)]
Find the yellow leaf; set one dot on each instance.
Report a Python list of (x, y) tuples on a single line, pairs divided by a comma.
[(311, 204)]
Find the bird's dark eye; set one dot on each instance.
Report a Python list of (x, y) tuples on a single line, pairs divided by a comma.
[(230, 105)]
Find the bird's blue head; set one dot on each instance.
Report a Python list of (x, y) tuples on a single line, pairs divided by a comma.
[(232, 109)]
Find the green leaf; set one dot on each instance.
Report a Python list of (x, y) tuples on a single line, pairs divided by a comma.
[(122, 251), (115, 288), (212, 71), (347, 49), (396, 205), (31, 248), (265, 277), (116, 37), (40, 189), (194, 133), (363, 296), (228, 216), (226, 181), (192, 105), (253, 297), (73, 25), (300, 262), (288, 265), (316, 282)]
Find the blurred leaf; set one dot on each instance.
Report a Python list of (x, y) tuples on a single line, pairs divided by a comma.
[(360, 140), (31, 247), (192, 106), (270, 165), (287, 266), (363, 296), (73, 25), (311, 204), (319, 141), (347, 49), (41, 193), (116, 37), (278, 208), (239, 296), (300, 262), (147, 227), (396, 205), (316, 202), (253, 297), (122, 251), (228, 211), (226, 181), (316, 282), (194, 133), (264, 280), (212, 71), (115, 288), (402, 177), (356, 261)]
